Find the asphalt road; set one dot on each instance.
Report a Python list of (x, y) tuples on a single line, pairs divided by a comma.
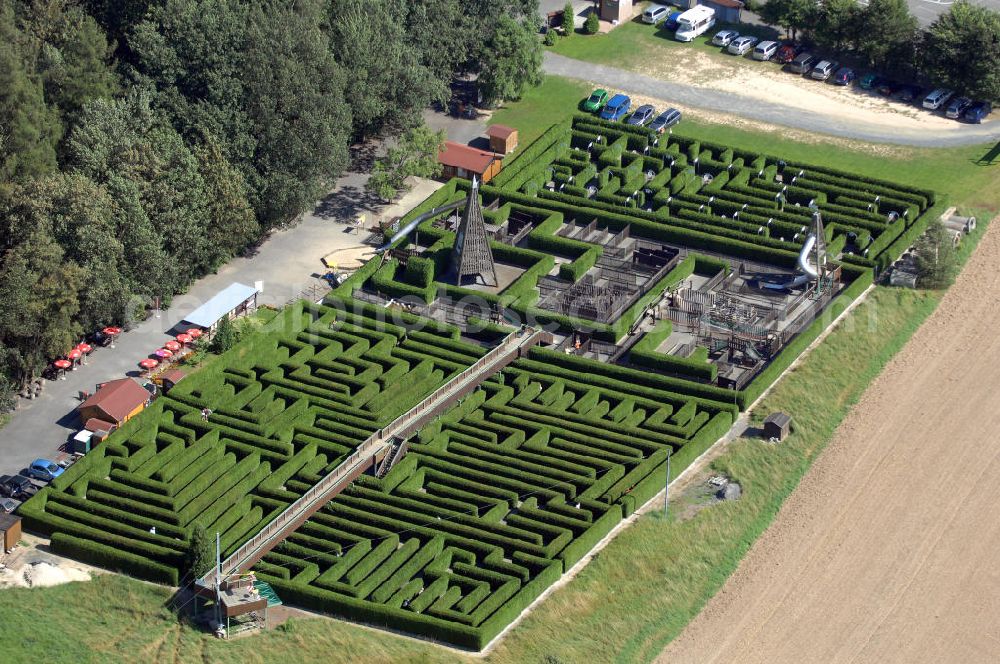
[(769, 112)]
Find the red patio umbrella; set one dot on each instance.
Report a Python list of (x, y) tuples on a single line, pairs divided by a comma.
[(172, 345), (62, 364), (185, 338), (74, 354), (112, 331), (194, 332), (162, 353), (149, 363), (84, 348)]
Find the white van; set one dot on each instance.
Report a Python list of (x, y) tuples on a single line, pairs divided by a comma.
[(765, 50), (654, 14), (694, 22)]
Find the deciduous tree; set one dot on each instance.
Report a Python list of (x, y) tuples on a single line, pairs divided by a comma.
[(961, 49)]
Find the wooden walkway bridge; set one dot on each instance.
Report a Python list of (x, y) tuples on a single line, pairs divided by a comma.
[(365, 456)]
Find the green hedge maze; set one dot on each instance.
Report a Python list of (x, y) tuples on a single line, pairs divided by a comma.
[(287, 407), (494, 501), (505, 491)]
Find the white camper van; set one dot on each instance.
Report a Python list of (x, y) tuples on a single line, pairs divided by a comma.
[(694, 22)]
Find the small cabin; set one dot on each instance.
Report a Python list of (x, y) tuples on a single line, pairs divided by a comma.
[(777, 426), (503, 139), (464, 161), (10, 531)]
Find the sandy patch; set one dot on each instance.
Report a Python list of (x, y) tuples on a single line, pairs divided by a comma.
[(42, 575), (766, 81), (32, 565), (877, 149), (886, 552)]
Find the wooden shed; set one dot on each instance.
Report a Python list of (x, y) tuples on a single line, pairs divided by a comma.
[(463, 161), (503, 139), (168, 379), (777, 425), (10, 531), (116, 401)]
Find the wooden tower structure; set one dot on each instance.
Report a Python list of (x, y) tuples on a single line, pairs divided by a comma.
[(471, 256)]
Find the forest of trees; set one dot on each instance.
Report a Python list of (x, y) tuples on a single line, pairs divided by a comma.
[(145, 142), (960, 49)]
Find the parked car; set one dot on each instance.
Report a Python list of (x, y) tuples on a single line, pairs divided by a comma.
[(642, 116), (654, 14), (869, 81), (765, 50), (616, 108), (671, 22), (843, 76), (45, 470), (724, 37), (786, 53), (978, 111), (802, 63), (823, 70), (17, 486), (741, 45), (665, 120), (957, 107), (910, 92), (937, 98), (596, 101), (887, 87)]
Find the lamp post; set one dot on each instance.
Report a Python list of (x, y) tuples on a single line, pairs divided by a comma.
[(666, 487)]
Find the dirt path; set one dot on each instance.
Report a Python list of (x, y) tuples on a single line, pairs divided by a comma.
[(887, 551), (762, 93)]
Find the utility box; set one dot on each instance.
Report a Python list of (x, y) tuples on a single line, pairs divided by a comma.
[(10, 530), (777, 426)]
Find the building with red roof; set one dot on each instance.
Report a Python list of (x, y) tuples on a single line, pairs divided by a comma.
[(116, 401), (463, 161)]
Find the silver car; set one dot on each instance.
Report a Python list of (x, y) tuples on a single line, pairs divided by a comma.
[(642, 116), (741, 45), (665, 120), (823, 70), (724, 37)]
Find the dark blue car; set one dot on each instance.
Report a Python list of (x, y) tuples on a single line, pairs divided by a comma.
[(671, 22), (616, 108), (978, 111)]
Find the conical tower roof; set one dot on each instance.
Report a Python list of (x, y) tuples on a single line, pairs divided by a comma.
[(471, 256)]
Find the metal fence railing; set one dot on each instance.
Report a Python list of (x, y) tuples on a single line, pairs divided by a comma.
[(367, 449)]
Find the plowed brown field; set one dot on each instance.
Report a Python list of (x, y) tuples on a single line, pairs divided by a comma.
[(889, 550)]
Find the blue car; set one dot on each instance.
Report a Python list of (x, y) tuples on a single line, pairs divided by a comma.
[(45, 470), (671, 22), (978, 112), (616, 108)]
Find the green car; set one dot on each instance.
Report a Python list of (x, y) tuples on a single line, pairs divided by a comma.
[(868, 81), (596, 101)]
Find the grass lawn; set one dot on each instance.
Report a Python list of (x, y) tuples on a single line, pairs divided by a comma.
[(647, 584), (629, 45)]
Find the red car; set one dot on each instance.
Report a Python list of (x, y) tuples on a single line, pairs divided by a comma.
[(787, 53)]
